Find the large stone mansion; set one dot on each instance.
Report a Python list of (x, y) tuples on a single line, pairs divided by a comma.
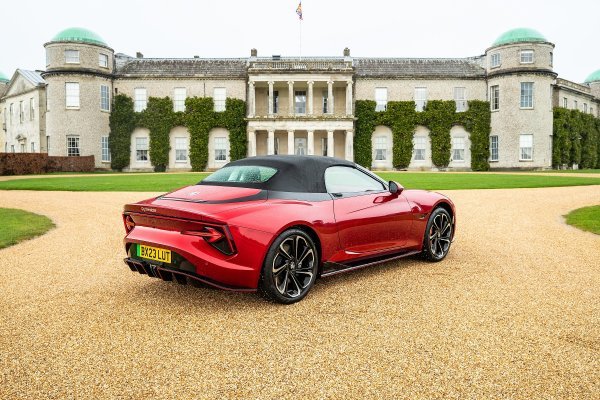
[(294, 105)]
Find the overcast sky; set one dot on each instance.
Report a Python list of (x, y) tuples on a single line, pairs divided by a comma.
[(230, 28)]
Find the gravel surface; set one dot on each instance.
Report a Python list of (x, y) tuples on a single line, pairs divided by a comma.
[(512, 313)]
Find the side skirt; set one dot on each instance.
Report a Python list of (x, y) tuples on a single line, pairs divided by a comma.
[(333, 268)]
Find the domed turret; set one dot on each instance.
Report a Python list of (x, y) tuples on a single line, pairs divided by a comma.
[(593, 77), (593, 80), (3, 78), (78, 35), (519, 35)]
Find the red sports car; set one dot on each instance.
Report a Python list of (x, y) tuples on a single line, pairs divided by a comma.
[(276, 223)]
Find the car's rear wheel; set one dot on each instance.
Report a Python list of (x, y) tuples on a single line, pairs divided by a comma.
[(438, 235), (290, 267)]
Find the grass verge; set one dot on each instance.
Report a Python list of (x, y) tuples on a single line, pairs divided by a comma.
[(586, 219), (19, 225)]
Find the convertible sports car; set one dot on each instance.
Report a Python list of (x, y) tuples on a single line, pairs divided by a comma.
[(276, 223)]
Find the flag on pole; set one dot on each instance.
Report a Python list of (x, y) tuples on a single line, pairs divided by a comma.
[(299, 10)]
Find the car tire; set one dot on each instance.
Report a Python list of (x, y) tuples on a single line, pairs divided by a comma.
[(438, 235), (290, 268)]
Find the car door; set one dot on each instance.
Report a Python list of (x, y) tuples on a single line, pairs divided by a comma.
[(369, 218)]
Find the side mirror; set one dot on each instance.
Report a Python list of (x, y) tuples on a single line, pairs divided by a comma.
[(395, 188)]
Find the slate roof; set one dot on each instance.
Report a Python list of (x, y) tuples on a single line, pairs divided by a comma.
[(418, 68), (33, 76), (182, 67)]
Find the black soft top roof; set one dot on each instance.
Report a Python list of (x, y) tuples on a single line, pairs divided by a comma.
[(294, 173)]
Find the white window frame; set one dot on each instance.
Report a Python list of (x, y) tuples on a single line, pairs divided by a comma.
[(140, 96), (324, 143), (276, 145), (300, 102), (33, 147), (181, 149), (575, 105), (104, 98), (420, 98), (21, 111), (72, 56), (458, 148), (565, 102), (31, 109), (179, 96), (495, 60), (103, 60), (380, 146), (220, 99), (300, 146), (585, 108), (526, 101), (419, 148), (220, 152), (494, 148), (526, 142), (73, 146), (495, 97), (72, 95), (526, 56), (381, 98), (325, 95), (105, 149), (460, 98), (142, 149)]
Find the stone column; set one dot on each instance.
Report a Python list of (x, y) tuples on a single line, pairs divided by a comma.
[(291, 142), (309, 108), (349, 97), (251, 143), (330, 97), (291, 98), (329, 141), (271, 83), (349, 145), (311, 143), (271, 142), (251, 97)]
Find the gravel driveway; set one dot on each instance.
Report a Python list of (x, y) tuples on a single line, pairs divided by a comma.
[(513, 312)]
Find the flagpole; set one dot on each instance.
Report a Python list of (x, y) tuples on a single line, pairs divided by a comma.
[(300, 39)]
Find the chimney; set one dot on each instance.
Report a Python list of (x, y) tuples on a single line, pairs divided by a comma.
[(346, 52), (196, 56), (139, 55), (253, 53)]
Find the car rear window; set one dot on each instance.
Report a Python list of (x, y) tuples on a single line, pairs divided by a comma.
[(242, 174)]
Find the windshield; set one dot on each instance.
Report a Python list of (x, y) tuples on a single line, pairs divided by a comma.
[(242, 174)]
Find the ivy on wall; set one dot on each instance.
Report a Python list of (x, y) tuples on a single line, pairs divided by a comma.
[(159, 118), (576, 139), (439, 117)]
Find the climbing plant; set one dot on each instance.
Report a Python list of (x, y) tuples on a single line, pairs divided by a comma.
[(122, 123), (576, 139), (439, 116)]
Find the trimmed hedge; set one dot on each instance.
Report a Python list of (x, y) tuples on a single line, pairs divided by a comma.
[(439, 117), (159, 118), (41, 163), (576, 139)]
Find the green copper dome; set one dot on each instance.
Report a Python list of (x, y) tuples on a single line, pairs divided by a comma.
[(519, 35), (3, 78), (593, 77), (78, 35)]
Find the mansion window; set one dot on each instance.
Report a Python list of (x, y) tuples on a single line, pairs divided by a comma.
[(495, 60), (275, 101), (420, 98), (300, 102), (526, 56), (565, 102), (494, 148), (103, 60), (181, 149), (526, 94), (220, 149), (458, 149), (33, 147), (11, 113), (141, 149), (419, 148), (276, 146), (72, 94), (380, 148), (73, 146), (219, 98), (585, 108), (140, 99), (526, 147), (575, 105), (381, 99), (179, 95), (104, 98), (460, 98), (495, 97), (300, 146), (22, 147), (72, 56), (31, 109), (324, 101), (21, 111), (324, 146), (105, 149)]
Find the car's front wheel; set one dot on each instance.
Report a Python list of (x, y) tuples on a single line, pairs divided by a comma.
[(438, 235), (290, 267)]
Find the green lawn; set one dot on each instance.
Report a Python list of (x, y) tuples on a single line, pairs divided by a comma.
[(169, 181), (573, 171), (19, 225), (586, 218)]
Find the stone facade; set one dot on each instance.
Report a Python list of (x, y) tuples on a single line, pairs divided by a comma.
[(294, 105)]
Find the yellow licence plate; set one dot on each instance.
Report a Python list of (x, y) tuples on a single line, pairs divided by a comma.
[(154, 253)]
